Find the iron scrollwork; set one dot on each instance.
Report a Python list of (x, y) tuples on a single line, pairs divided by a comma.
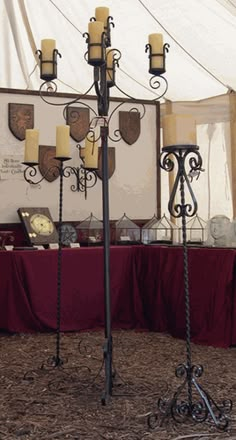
[(84, 178), (199, 410), (167, 162)]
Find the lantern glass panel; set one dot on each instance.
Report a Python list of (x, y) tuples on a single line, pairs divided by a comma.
[(126, 231), (90, 231), (161, 231), (148, 233), (196, 230)]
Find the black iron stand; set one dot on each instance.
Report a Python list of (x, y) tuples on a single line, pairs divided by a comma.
[(57, 361), (199, 406), (107, 349), (102, 92), (30, 173)]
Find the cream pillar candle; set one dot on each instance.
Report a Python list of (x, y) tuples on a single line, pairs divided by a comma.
[(179, 130), (31, 146), (102, 14), (90, 153), (109, 60), (63, 141), (47, 48), (156, 43), (95, 30)]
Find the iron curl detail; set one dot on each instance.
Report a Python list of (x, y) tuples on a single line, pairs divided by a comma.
[(31, 172), (117, 134), (177, 155), (181, 370), (158, 82), (69, 171), (89, 177), (166, 162), (75, 114), (197, 370), (49, 87), (85, 178)]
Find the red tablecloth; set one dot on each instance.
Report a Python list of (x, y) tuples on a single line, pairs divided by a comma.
[(147, 291), (211, 279)]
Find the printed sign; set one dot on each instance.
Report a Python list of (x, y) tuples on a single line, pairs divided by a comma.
[(11, 168)]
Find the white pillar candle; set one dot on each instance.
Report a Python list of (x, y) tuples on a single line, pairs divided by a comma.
[(31, 146), (90, 153), (178, 130), (95, 30), (47, 48), (156, 43), (102, 14), (63, 141)]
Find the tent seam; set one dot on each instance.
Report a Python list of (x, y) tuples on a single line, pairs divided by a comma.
[(187, 53)]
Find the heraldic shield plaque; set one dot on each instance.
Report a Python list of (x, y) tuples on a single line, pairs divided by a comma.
[(111, 162), (78, 120), (48, 165), (129, 126), (20, 118)]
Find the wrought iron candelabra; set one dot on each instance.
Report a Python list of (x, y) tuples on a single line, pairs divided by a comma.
[(85, 178), (104, 61), (29, 174), (190, 399)]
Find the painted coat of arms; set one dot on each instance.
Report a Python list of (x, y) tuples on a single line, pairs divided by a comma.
[(78, 120), (48, 165), (129, 126), (20, 118)]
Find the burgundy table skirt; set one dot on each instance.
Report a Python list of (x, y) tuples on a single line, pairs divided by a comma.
[(147, 291)]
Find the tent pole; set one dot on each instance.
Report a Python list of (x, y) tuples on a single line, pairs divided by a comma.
[(232, 101)]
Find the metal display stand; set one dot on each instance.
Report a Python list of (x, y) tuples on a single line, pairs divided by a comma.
[(103, 79), (190, 400)]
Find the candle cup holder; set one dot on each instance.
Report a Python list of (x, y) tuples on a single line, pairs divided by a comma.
[(99, 60), (190, 401), (30, 164), (157, 71), (53, 63), (111, 71), (107, 29)]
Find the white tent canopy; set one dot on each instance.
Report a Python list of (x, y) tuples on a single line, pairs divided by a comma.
[(201, 34), (200, 70)]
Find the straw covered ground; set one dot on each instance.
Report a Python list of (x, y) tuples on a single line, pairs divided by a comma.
[(43, 402)]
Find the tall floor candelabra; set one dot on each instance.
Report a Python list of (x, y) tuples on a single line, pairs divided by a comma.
[(104, 61), (190, 399), (30, 173)]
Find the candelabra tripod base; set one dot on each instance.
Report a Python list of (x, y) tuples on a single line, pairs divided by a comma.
[(191, 402), (115, 385), (61, 377)]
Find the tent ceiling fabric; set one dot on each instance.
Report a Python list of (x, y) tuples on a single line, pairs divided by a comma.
[(201, 62)]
